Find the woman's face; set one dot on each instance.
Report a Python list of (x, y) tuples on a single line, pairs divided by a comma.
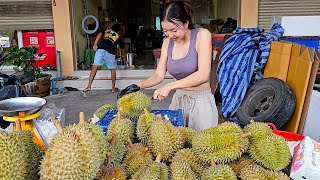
[(176, 32)]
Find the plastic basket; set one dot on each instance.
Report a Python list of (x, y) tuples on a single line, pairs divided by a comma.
[(286, 135), (175, 116), (312, 42)]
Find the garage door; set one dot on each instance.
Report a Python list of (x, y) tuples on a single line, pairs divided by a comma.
[(270, 8), (25, 14)]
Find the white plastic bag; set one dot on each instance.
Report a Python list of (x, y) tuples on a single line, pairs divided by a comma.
[(306, 160), (45, 126)]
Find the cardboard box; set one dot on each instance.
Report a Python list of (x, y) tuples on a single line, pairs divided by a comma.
[(299, 71)]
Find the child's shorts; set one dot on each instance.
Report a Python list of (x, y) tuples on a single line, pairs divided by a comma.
[(102, 56)]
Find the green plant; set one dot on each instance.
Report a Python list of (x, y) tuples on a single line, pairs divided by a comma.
[(22, 59)]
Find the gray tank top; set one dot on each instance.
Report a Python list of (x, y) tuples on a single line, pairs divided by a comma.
[(183, 67)]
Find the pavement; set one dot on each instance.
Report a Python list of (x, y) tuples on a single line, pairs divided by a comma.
[(74, 102)]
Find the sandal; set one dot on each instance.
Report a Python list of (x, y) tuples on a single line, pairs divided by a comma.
[(85, 92)]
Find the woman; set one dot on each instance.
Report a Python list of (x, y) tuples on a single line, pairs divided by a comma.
[(186, 54)]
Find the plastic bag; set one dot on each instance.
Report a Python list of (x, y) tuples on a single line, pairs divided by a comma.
[(130, 89), (45, 126)]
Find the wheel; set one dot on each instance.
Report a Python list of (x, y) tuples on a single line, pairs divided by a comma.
[(268, 100)]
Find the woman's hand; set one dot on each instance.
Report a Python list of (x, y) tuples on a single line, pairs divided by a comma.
[(162, 93)]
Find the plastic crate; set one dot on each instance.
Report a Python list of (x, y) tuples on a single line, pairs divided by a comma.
[(312, 42), (175, 116)]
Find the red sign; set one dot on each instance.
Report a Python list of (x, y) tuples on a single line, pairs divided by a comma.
[(44, 41)]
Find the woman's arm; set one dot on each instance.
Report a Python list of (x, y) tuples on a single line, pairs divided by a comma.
[(204, 48), (161, 70)]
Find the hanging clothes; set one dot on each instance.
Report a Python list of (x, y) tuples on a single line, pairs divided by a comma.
[(242, 59)]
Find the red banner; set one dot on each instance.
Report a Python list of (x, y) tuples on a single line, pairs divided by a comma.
[(44, 41)]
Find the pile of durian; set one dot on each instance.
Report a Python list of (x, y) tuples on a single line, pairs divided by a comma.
[(152, 150)]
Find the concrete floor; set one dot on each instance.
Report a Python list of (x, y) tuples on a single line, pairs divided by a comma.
[(74, 102)]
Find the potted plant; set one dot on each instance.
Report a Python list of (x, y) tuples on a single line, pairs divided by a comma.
[(34, 82)]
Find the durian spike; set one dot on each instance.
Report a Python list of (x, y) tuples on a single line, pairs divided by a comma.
[(213, 163), (144, 152), (130, 144), (57, 123), (251, 121), (159, 116), (18, 125), (245, 135), (158, 158), (82, 118), (146, 111)]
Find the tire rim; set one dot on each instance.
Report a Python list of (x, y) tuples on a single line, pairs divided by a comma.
[(260, 102)]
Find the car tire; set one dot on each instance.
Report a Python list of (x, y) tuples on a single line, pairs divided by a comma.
[(268, 100)]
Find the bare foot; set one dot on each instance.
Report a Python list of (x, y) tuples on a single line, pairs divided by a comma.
[(114, 90)]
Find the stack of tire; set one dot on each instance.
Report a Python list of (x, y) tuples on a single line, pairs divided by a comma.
[(268, 100)]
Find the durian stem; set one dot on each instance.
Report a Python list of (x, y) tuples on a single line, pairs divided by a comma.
[(119, 116), (159, 116), (57, 123), (159, 157), (130, 144), (18, 125), (213, 163), (144, 152), (114, 141), (109, 157), (146, 112), (245, 135), (82, 118)]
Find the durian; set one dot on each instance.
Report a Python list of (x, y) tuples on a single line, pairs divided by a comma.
[(272, 152), (102, 109), (73, 154), (13, 164), (153, 171), (133, 104), (220, 147), (223, 172), (243, 162), (136, 147), (135, 160), (33, 154), (187, 134), (109, 171), (224, 128), (256, 172), (191, 159), (181, 170), (258, 130), (164, 138), (120, 128), (144, 123)]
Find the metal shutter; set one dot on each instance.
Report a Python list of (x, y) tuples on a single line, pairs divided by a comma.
[(25, 15), (270, 8)]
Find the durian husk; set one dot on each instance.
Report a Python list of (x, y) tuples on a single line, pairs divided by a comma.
[(110, 171), (133, 105), (144, 123), (225, 128), (243, 162), (34, 154), (164, 138), (257, 172), (181, 170), (258, 130), (120, 128), (187, 135), (191, 159), (102, 109), (223, 172), (220, 147), (135, 160), (73, 154), (13, 152), (153, 171), (271, 152)]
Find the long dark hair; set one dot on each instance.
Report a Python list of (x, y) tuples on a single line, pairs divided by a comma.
[(181, 11)]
